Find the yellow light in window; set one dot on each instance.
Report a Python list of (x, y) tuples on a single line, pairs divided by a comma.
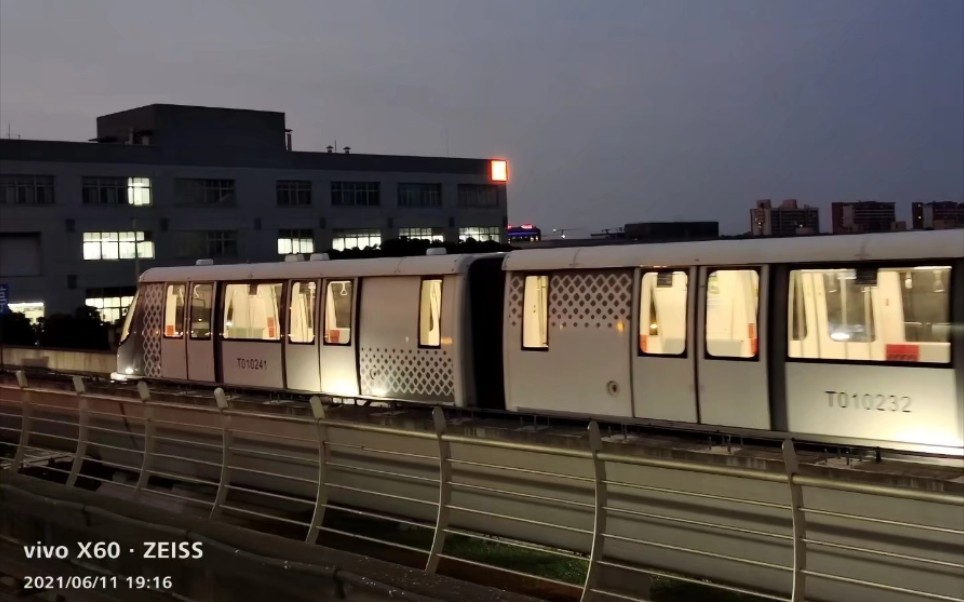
[(500, 170)]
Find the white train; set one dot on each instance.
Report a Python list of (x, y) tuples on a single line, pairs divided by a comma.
[(856, 339)]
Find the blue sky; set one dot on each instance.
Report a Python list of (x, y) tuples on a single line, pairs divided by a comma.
[(610, 111)]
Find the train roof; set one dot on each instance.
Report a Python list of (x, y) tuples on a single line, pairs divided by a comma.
[(830, 249), (335, 268)]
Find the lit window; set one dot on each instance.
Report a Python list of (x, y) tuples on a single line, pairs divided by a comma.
[(535, 313), (338, 312), (139, 191), (295, 241), (174, 312), (500, 170), (480, 234), (355, 239), (118, 245), (662, 313), (112, 303), (732, 300), (430, 234), (301, 313), (430, 313), (252, 311), (202, 297), (31, 310), (893, 314)]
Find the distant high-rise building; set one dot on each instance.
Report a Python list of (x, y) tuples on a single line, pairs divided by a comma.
[(938, 215), (786, 220), (865, 216)]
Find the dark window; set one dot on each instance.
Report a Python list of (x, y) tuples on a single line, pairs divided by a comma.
[(294, 193), (478, 196), (204, 192), (419, 195), (355, 194), (26, 190), (213, 243)]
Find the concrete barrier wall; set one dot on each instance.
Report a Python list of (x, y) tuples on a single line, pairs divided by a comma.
[(75, 361)]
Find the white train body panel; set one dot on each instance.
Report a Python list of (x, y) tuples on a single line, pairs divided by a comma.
[(587, 355)]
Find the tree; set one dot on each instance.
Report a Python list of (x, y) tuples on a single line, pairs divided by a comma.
[(82, 330), (16, 329)]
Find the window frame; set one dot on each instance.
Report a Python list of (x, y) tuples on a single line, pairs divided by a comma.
[(952, 284), (128, 325), (421, 287), (759, 305), (324, 310), (224, 310), (214, 314), (686, 316), (314, 312), (167, 295), (522, 321)]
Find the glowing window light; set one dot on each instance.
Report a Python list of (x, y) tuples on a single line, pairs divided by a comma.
[(500, 170)]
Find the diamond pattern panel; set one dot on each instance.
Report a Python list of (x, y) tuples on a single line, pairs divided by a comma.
[(590, 299), (424, 374), (516, 288), (153, 306)]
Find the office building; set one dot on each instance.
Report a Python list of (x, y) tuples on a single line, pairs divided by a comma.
[(787, 219), (166, 185), (864, 216), (938, 215)]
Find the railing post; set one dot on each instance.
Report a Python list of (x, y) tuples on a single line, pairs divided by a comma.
[(600, 499), (145, 395), (83, 419), (26, 413), (227, 440), (444, 491), (799, 523), (321, 494)]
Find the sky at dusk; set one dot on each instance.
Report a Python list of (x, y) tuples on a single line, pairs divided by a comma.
[(609, 111)]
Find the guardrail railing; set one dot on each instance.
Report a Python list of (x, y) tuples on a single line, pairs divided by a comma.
[(204, 471)]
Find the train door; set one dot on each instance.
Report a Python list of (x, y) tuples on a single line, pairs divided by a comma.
[(251, 348), (301, 342), (200, 333), (173, 350), (567, 339), (338, 355), (731, 360), (664, 364)]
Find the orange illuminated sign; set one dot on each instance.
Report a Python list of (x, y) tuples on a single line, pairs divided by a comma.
[(499, 170)]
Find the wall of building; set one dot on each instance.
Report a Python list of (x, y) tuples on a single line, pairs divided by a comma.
[(60, 276)]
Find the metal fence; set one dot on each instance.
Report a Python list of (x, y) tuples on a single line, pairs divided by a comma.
[(218, 451)]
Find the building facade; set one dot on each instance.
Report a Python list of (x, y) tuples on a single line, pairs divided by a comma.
[(865, 216), (169, 184), (788, 219), (938, 215)]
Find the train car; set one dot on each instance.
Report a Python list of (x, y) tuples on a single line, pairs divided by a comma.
[(398, 328), (852, 338)]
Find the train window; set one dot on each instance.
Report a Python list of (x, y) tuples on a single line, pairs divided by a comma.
[(301, 314), (174, 312), (891, 314), (202, 296), (252, 311), (430, 313), (662, 313), (798, 314), (129, 318), (338, 312), (732, 304), (535, 313)]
